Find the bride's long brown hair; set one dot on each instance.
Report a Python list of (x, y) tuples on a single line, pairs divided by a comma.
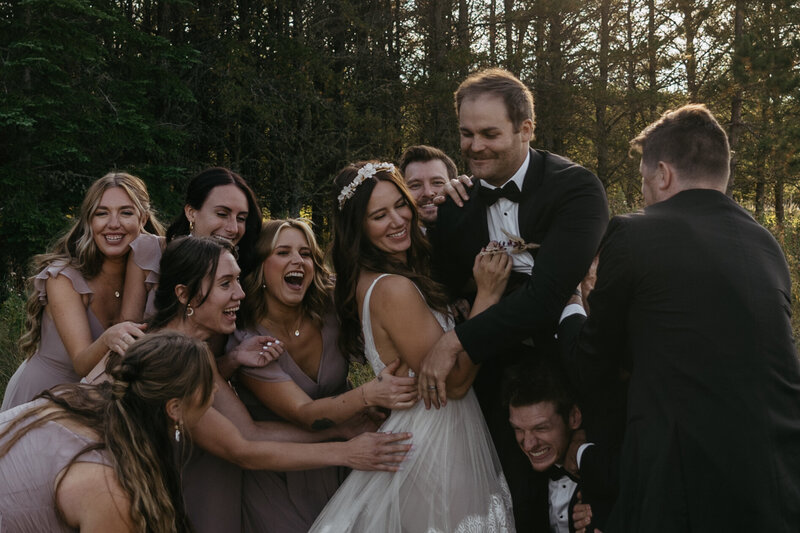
[(129, 417), (352, 251)]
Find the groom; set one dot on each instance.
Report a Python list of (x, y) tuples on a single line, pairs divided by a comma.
[(551, 213)]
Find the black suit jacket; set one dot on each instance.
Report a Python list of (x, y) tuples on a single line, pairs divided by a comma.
[(564, 209), (596, 485), (693, 297)]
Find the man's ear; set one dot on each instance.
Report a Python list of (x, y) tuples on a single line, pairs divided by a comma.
[(173, 410), (575, 417), (665, 175), (526, 130), (182, 293)]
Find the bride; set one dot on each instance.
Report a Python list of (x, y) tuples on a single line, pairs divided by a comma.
[(390, 309)]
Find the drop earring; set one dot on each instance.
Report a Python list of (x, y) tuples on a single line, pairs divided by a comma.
[(178, 432), (191, 227)]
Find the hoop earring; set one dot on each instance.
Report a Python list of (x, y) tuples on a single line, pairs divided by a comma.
[(189, 310), (178, 427)]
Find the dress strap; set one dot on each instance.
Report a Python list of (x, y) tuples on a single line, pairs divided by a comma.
[(370, 351)]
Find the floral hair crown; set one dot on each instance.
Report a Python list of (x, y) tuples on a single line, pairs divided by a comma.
[(367, 171)]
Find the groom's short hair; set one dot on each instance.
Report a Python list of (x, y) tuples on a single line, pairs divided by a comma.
[(515, 94), (539, 379)]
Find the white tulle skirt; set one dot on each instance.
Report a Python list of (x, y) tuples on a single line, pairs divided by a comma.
[(452, 481)]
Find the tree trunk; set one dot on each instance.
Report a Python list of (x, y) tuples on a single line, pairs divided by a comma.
[(737, 100), (690, 57), (601, 96)]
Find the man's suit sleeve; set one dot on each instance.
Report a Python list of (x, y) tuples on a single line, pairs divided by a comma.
[(568, 248), (592, 348)]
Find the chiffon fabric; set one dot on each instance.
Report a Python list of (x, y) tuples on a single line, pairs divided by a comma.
[(29, 470), (146, 251), (451, 482), (288, 502), (50, 365)]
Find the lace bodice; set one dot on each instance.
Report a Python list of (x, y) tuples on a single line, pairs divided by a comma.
[(370, 351)]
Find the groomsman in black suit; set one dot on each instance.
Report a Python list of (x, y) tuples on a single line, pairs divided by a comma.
[(549, 213), (544, 414), (693, 299)]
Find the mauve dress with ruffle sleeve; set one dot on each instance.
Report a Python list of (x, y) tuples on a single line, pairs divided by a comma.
[(146, 251), (29, 470), (50, 365), (289, 502)]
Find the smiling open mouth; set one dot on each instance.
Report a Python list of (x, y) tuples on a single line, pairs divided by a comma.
[(231, 312), (399, 234), (294, 279), (539, 453)]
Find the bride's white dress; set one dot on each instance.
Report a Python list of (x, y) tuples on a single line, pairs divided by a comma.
[(450, 482)]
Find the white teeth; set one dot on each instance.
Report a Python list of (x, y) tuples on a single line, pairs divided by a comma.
[(295, 275), (539, 453), (113, 237), (231, 309), (400, 233)]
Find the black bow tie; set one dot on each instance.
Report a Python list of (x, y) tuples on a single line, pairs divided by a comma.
[(509, 190), (557, 472)]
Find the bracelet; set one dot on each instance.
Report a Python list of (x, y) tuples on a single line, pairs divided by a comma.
[(364, 394)]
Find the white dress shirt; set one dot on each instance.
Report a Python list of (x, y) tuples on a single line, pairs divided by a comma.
[(504, 215), (560, 493)]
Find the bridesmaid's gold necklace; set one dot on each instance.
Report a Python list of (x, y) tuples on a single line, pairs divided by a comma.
[(287, 330)]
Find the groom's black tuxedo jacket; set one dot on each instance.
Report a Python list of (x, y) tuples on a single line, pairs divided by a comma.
[(564, 209), (693, 298)]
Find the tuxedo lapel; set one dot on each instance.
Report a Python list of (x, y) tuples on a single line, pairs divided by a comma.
[(526, 215), (474, 223)]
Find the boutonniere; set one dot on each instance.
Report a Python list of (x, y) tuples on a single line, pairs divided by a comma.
[(514, 245)]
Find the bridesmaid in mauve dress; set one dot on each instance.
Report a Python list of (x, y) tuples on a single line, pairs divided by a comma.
[(289, 298), (76, 294), (61, 455)]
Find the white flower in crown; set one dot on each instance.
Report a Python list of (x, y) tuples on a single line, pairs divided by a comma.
[(367, 171)]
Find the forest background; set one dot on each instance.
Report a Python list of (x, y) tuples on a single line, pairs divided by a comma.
[(286, 92)]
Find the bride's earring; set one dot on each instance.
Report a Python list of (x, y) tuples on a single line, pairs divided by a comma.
[(178, 427)]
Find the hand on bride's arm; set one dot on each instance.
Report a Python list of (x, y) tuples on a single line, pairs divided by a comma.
[(377, 451), (390, 391)]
